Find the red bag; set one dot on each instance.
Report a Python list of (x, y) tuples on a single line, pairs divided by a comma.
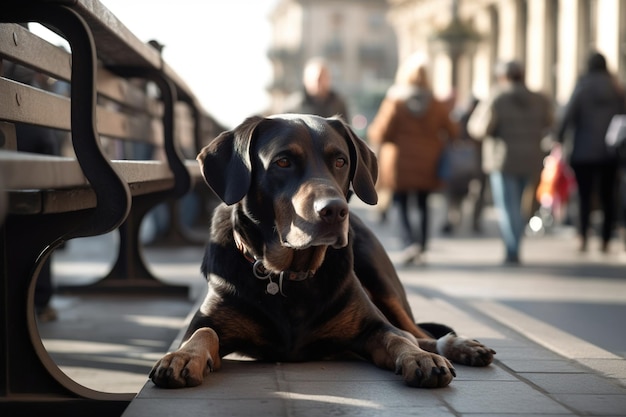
[(557, 180)]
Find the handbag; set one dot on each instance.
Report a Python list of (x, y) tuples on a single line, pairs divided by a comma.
[(458, 160)]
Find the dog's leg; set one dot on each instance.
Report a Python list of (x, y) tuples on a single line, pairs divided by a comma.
[(396, 350), (187, 366), (459, 349)]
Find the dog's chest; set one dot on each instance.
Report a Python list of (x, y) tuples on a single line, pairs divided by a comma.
[(299, 338), (293, 327)]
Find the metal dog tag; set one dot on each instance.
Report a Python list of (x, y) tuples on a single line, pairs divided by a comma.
[(272, 288)]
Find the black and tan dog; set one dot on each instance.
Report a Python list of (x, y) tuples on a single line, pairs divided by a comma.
[(292, 275)]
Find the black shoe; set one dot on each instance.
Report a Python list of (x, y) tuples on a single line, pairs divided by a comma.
[(511, 260)]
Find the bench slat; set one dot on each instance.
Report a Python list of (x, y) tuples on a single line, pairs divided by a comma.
[(19, 45), (23, 103)]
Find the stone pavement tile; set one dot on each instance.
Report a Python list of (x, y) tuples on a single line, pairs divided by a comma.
[(325, 409), (487, 373), (221, 385), (612, 368), (574, 384), (337, 370), (525, 352), (141, 407), (516, 415), (377, 394), (595, 404), (499, 398), (545, 366)]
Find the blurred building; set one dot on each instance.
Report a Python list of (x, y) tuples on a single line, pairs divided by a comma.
[(353, 35), (464, 39)]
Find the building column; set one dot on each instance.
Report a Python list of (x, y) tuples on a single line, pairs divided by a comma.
[(508, 42), (569, 46), (609, 36), (537, 65), (485, 22)]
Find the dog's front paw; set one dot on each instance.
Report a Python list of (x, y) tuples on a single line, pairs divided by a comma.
[(180, 369), (187, 366), (425, 370), (464, 351)]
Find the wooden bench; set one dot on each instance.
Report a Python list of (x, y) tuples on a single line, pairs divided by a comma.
[(99, 186)]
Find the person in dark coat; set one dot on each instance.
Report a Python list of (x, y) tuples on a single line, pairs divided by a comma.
[(596, 98)]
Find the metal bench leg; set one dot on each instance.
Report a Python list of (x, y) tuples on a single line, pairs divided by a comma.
[(32, 383), (130, 274)]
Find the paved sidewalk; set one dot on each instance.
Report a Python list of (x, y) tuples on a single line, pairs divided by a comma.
[(541, 368)]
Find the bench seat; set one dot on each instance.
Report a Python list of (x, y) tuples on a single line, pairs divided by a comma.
[(42, 184)]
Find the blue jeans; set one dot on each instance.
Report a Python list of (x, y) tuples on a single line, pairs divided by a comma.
[(507, 191)]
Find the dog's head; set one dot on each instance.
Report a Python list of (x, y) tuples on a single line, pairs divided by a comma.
[(292, 174)]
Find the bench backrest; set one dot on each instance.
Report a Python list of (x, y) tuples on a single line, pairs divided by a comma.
[(163, 127), (129, 113)]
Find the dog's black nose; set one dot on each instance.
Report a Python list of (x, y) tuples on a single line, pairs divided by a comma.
[(332, 210)]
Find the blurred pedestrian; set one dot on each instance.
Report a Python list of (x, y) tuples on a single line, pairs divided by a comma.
[(596, 98), (410, 129), (467, 169), (317, 96), (512, 123)]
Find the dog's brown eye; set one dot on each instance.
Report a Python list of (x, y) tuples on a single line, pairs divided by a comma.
[(283, 163), (340, 163)]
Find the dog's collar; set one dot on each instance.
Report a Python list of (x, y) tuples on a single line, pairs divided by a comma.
[(260, 272)]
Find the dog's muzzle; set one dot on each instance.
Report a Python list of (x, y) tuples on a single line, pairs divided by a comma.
[(327, 224)]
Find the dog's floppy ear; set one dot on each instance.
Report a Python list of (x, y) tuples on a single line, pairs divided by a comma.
[(225, 162), (364, 167)]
